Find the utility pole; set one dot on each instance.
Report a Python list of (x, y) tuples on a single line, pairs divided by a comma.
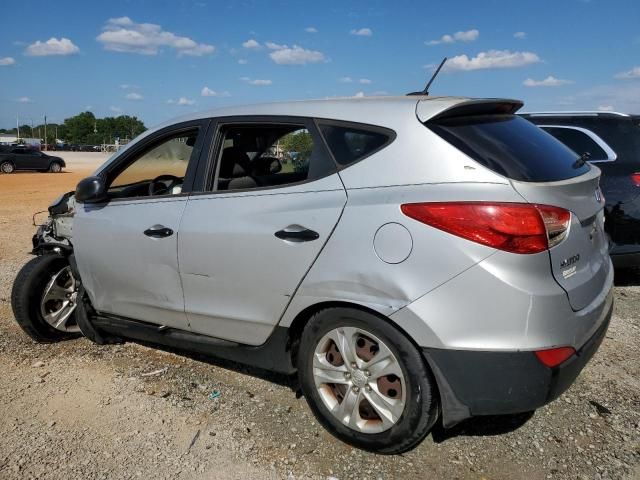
[(18, 126), (45, 132)]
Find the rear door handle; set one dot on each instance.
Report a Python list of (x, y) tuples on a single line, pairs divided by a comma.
[(158, 231), (296, 233)]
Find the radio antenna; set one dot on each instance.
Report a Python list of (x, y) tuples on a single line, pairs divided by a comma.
[(433, 77)]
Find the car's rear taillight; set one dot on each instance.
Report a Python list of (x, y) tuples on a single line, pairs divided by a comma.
[(635, 178), (513, 227), (553, 357)]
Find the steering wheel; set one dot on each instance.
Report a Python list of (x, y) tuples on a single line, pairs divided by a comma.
[(159, 187)]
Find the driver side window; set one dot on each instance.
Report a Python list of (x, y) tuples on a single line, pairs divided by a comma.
[(159, 170)]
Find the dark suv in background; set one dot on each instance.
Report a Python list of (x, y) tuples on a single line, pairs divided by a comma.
[(612, 142)]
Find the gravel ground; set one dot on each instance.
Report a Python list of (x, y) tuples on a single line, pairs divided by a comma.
[(79, 410)]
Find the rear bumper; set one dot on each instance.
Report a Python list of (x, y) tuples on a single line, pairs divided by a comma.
[(494, 383)]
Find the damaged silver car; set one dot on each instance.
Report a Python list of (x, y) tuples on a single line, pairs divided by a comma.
[(408, 259)]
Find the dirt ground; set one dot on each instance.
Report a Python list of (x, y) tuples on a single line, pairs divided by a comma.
[(78, 410)]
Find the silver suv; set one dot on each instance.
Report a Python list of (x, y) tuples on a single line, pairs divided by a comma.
[(408, 258)]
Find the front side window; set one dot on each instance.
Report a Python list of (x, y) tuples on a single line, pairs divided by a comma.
[(580, 142), (159, 170), (260, 156)]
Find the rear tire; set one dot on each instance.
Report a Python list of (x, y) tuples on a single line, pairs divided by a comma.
[(387, 401), (28, 303), (55, 167), (7, 167)]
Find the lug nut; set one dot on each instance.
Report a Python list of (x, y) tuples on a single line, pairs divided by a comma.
[(356, 389), (368, 388), (367, 373), (347, 375), (353, 365)]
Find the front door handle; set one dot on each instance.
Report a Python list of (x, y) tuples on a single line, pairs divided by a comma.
[(297, 233), (158, 231)]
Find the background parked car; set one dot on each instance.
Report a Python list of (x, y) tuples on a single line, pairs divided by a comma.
[(612, 142), (14, 158)]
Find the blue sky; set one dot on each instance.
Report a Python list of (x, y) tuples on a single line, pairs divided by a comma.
[(159, 59)]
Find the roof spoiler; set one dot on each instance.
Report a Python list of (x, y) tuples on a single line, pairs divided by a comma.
[(489, 106)]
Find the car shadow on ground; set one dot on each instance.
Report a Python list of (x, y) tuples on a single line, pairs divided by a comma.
[(481, 426), (628, 277), (284, 380)]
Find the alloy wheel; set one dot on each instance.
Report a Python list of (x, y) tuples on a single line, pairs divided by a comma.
[(59, 301)]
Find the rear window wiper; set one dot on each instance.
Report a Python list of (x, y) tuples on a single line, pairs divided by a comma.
[(584, 158)]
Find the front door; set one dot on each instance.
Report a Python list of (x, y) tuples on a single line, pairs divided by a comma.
[(245, 246), (126, 249)]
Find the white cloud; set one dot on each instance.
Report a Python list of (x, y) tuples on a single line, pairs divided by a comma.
[(362, 32), (6, 61), (628, 75), (623, 97), (274, 46), (126, 86), (243, 61), (124, 35), (115, 109), (256, 81), (182, 101), (345, 80), (520, 35), (605, 108), (489, 60), (364, 81), (133, 96), (251, 43), (296, 55), (359, 95), (53, 46), (311, 30), (24, 100), (207, 92), (550, 81), (463, 36)]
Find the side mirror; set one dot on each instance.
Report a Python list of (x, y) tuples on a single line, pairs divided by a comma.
[(91, 190)]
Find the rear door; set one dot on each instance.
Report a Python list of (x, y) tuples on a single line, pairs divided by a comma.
[(271, 202)]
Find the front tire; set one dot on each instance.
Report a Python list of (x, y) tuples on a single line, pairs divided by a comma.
[(43, 299), (7, 167), (365, 381), (55, 167)]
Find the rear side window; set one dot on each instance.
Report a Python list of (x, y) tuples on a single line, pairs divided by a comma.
[(580, 142), (511, 146), (352, 143)]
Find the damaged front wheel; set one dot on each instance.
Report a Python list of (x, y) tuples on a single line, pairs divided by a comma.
[(44, 299)]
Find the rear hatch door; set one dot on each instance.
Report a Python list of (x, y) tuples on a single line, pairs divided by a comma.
[(580, 263), (543, 171)]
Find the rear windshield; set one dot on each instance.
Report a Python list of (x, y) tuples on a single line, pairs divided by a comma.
[(511, 146)]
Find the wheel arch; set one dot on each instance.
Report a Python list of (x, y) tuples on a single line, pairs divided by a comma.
[(301, 319)]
